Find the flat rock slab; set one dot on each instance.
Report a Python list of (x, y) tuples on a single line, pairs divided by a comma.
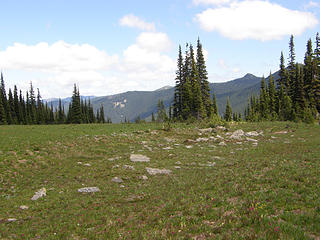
[(237, 135), (139, 158), (24, 207), (39, 194), (88, 190), (117, 180), (128, 167), (155, 171)]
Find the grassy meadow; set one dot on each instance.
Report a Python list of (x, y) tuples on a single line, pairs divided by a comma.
[(261, 187)]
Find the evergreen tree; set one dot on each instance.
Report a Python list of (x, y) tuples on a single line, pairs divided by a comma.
[(5, 102), (61, 116), (40, 109), (291, 66), (32, 105), (282, 73), (203, 78), (102, 118), (308, 70), (23, 113), (228, 112), (11, 108), (177, 104), (76, 106), (161, 113), (263, 100), (152, 118), (272, 97), (17, 106), (3, 117), (215, 105), (299, 96)]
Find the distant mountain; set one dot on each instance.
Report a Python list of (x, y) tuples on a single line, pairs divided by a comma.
[(132, 104)]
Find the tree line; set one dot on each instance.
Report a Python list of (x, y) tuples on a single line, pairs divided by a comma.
[(192, 98), (296, 94), (17, 109)]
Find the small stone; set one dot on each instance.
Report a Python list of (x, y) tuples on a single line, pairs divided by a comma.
[(80, 163), (154, 171), (167, 148), (88, 190), (128, 167), (222, 144), (281, 132), (144, 177), (239, 143), (237, 135), (189, 141), (23, 207), (139, 158), (22, 161), (188, 147), (117, 180), (178, 163), (202, 140), (177, 167), (205, 130), (12, 219), (218, 136), (255, 144), (252, 134), (122, 186), (87, 164), (116, 166), (273, 137), (41, 193), (251, 140), (221, 128)]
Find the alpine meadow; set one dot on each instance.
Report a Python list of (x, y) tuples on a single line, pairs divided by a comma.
[(113, 127)]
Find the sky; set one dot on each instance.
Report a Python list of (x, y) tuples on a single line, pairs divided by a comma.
[(109, 47)]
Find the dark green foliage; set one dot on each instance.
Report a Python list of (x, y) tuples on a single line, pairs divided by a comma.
[(152, 118), (297, 97), (228, 112), (214, 104), (192, 92), (161, 113), (3, 117), (76, 117)]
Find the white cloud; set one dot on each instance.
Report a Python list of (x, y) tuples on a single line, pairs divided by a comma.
[(255, 19), (135, 22), (210, 2), (54, 69), (58, 57), (311, 4)]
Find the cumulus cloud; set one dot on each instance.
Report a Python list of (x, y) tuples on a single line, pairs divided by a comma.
[(210, 2), (136, 22), (58, 57), (255, 19), (143, 65)]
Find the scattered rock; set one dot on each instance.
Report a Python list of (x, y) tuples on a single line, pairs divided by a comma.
[(202, 140), (41, 193), (178, 163), (219, 137), (88, 190), (177, 167), (122, 186), (251, 140), (206, 130), (273, 137), (147, 147), (216, 157), (252, 134), (30, 153), (237, 135), (189, 141), (221, 128), (116, 166), (143, 177), (169, 139), (239, 143), (222, 144), (23, 207), (22, 161), (209, 164), (139, 158), (154, 171), (87, 164), (189, 147), (281, 132), (113, 159), (117, 180), (255, 144), (80, 163), (167, 148), (128, 167), (12, 219)]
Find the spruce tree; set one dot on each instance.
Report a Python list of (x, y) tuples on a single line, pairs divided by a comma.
[(11, 108), (203, 77), (152, 118), (40, 109), (161, 112), (228, 112), (3, 117), (291, 66), (102, 118), (17, 106), (272, 97), (23, 109), (263, 100), (75, 106), (32, 105), (215, 105), (177, 103), (282, 73)]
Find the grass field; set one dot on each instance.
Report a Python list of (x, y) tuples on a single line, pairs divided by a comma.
[(267, 189)]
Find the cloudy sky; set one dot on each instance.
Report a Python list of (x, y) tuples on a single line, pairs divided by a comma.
[(108, 47)]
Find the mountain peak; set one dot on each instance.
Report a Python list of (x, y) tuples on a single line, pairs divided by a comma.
[(164, 88), (249, 75)]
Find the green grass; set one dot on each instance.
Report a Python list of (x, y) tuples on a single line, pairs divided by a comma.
[(269, 191)]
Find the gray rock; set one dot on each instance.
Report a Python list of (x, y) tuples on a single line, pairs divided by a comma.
[(202, 140), (252, 134), (12, 219), (188, 146), (251, 140), (88, 190), (139, 158), (222, 128), (128, 167), (155, 171), (117, 180), (23, 207), (205, 130), (178, 163), (222, 144), (144, 177), (237, 135), (167, 148), (177, 167), (87, 164), (39, 194)]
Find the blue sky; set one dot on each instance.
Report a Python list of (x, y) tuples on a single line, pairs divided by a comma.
[(108, 47)]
